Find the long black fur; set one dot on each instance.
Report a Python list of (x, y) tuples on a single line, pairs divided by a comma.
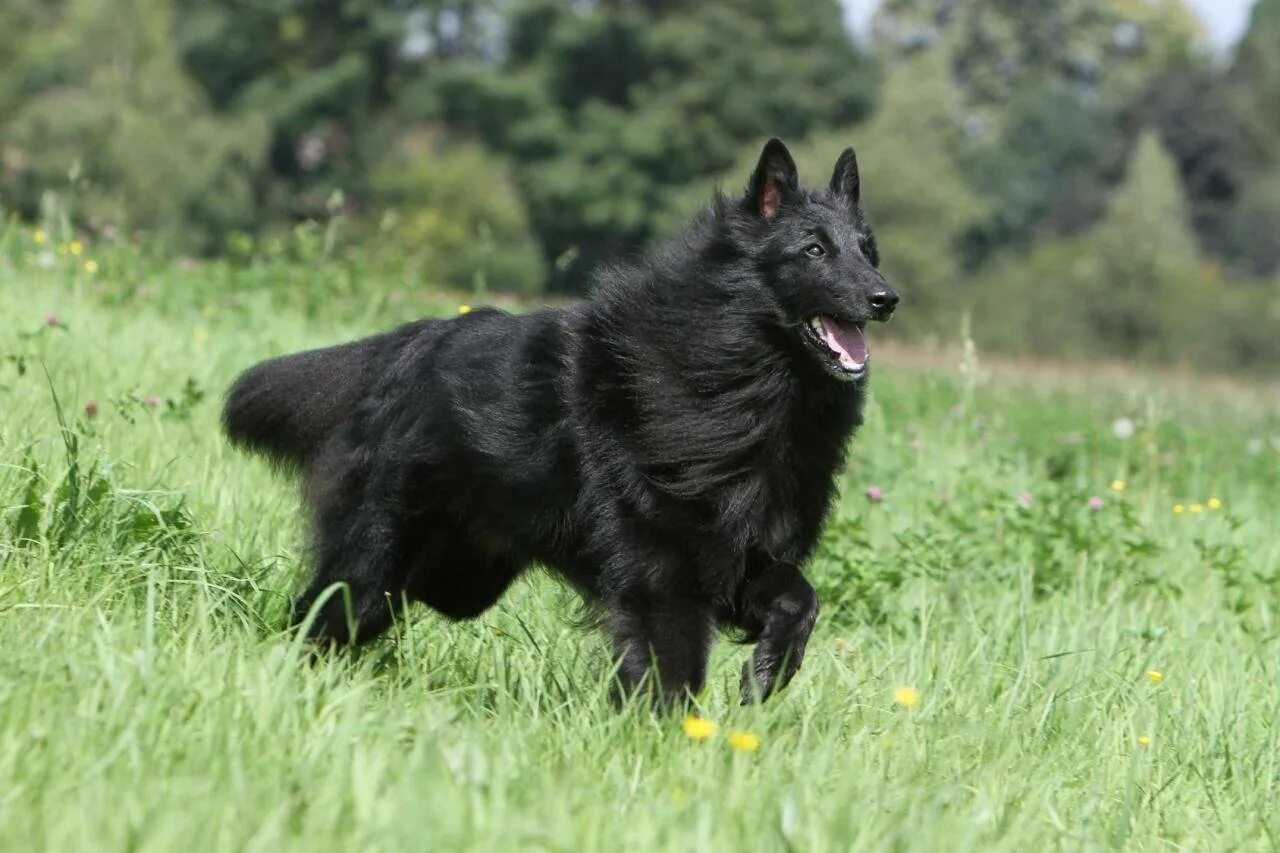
[(669, 447)]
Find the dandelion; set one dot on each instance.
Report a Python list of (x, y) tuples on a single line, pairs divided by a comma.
[(1143, 740), (91, 408), (1026, 499), (1096, 503), (906, 696), (1117, 485), (39, 236), (743, 741), (1196, 508), (1122, 429), (1155, 676), (1215, 503), (464, 309), (1179, 509), (75, 247), (91, 266), (699, 728), (201, 335), (874, 494)]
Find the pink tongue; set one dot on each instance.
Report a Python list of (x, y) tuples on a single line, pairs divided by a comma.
[(846, 341)]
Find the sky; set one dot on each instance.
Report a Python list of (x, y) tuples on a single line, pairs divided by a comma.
[(1225, 20)]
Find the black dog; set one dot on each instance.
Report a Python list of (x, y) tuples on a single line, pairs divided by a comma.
[(669, 447)]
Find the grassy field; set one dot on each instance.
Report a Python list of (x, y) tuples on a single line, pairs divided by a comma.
[(1055, 629)]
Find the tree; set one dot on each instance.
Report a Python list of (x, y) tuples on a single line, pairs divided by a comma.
[(1254, 78), (1108, 48), (1043, 86), (1133, 286), (1255, 74), (100, 99), (1194, 111), (1046, 170)]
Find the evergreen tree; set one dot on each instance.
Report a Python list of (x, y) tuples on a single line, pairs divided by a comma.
[(1148, 265)]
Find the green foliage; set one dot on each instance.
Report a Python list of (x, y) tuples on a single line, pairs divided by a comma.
[(1133, 286), (1254, 223), (1045, 171), (1110, 48), (453, 211), (1198, 120), (1255, 73), (113, 117)]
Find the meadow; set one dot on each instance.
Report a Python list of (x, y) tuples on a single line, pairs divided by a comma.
[(1049, 615)]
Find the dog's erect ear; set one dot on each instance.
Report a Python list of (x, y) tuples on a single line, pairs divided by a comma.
[(774, 178), (844, 180)]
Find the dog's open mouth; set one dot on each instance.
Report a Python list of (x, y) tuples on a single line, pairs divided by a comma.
[(843, 344)]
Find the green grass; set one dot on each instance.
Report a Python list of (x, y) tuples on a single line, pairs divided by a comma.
[(151, 700)]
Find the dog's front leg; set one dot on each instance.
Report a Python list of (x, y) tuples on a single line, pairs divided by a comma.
[(661, 643), (783, 606)]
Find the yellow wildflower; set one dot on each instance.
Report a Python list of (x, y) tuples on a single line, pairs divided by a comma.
[(201, 335), (91, 266), (1196, 508), (700, 728), (39, 236), (1117, 485), (464, 309), (1143, 740), (75, 247), (1155, 676), (743, 741), (1179, 509), (906, 696), (1215, 503)]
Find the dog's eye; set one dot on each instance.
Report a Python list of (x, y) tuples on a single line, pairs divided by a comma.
[(814, 250)]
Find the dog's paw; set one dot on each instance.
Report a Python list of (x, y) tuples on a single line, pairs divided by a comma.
[(756, 683)]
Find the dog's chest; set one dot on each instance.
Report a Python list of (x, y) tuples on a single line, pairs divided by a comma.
[(794, 491)]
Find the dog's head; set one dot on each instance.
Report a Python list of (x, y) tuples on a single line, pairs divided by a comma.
[(818, 257)]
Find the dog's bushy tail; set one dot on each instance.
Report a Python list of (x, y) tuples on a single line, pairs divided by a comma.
[(285, 408)]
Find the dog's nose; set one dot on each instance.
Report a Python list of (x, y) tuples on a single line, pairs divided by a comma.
[(883, 302)]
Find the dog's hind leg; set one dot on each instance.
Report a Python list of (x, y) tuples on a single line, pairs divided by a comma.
[(781, 606), (365, 540), (661, 643), (458, 576)]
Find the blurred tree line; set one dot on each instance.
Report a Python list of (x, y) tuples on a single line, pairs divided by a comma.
[(1082, 176)]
